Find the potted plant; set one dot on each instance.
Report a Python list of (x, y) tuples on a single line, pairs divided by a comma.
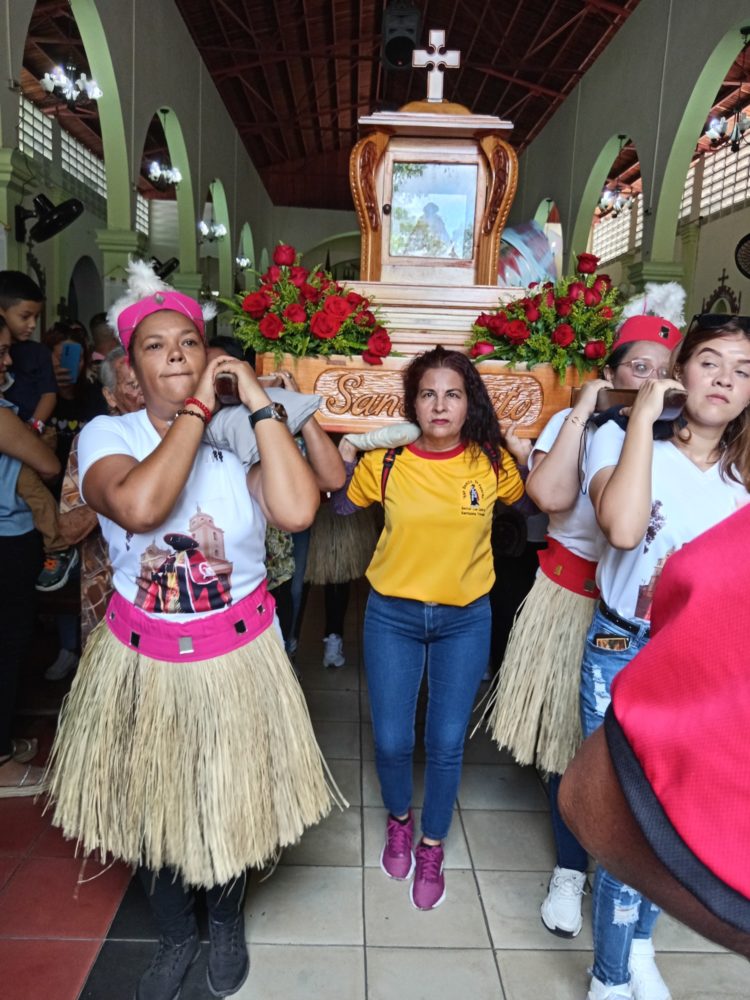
[(567, 323), (297, 314)]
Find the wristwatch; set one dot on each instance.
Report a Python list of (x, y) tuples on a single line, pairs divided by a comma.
[(274, 411)]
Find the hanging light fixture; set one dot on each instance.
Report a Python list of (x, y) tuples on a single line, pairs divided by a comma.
[(63, 84), (211, 231), (616, 198), (163, 177), (243, 262), (732, 129)]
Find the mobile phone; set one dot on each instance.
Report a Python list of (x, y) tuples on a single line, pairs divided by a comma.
[(70, 358)]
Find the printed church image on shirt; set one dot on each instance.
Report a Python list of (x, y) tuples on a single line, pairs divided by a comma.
[(646, 590), (190, 575)]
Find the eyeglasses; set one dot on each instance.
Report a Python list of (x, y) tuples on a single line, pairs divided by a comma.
[(715, 321), (643, 369)]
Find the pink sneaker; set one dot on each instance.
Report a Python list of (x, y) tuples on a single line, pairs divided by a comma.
[(428, 888), (397, 857)]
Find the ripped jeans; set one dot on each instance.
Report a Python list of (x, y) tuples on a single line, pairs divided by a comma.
[(619, 912)]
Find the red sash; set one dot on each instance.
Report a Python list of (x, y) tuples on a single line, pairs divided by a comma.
[(569, 570)]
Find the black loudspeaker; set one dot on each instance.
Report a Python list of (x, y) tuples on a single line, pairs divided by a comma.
[(402, 25)]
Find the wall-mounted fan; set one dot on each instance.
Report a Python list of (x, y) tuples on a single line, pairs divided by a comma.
[(51, 219), (742, 256)]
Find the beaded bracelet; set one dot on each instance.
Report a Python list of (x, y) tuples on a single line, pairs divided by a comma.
[(192, 413), (201, 406)]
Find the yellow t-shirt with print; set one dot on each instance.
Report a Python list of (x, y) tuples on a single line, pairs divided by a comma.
[(435, 545)]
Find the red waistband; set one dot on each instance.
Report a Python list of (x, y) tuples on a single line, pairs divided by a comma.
[(202, 638), (569, 570)]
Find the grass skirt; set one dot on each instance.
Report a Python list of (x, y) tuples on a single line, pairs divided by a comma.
[(341, 547), (534, 709), (208, 767)]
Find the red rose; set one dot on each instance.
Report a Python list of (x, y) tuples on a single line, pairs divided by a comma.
[(548, 284), (379, 343), (271, 326), (324, 326), (483, 320), (549, 298), (295, 313), (271, 276), (517, 331), (532, 314), (533, 284), (606, 313), (591, 297), (563, 306), (298, 276), (309, 293), (481, 347), (365, 318), (371, 359), (323, 281), (576, 290), (602, 283), (284, 255), (595, 349), (497, 324), (354, 298), (256, 304), (564, 335), (337, 306), (587, 263)]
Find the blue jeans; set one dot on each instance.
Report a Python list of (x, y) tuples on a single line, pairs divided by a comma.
[(619, 912), (402, 638), (301, 543)]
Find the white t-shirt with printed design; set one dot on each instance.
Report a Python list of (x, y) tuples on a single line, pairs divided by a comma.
[(577, 528), (209, 552), (686, 501)]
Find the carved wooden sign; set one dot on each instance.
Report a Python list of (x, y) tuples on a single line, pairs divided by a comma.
[(378, 395), (356, 396)]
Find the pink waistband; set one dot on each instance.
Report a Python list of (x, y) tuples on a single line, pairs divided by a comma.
[(201, 639)]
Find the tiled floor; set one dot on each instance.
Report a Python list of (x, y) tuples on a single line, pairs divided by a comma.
[(328, 925)]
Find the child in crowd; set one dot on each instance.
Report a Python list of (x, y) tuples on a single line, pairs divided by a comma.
[(34, 392)]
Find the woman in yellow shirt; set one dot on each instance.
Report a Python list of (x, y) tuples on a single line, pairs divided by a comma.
[(429, 608)]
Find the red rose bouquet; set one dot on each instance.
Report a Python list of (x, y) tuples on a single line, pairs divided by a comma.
[(569, 322), (301, 312)]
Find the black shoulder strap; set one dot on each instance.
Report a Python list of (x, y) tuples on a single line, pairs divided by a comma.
[(388, 459)]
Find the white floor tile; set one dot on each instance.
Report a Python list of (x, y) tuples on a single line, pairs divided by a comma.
[(431, 974), (511, 902), (298, 905), (304, 973), (501, 839), (501, 786)]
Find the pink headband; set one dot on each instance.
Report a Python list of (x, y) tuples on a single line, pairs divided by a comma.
[(131, 316), (654, 329)]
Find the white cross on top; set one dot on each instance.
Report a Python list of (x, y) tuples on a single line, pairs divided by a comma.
[(437, 59)]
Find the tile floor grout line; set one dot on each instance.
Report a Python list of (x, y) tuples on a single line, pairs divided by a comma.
[(493, 950)]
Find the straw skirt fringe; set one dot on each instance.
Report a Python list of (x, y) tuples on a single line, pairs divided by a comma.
[(341, 547), (209, 767), (534, 709)]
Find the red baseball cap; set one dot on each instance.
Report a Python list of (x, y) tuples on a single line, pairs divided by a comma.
[(654, 329)]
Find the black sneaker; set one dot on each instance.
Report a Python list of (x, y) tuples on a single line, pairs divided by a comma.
[(228, 960), (57, 569), (163, 979)]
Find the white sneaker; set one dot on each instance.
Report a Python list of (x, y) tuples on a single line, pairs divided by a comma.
[(561, 910), (645, 978), (66, 662), (333, 651), (598, 991)]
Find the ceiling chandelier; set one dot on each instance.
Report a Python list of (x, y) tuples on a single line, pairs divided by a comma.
[(615, 197), (211, 231), (163, 177), (63, 84), (732, 129), (243, 262)]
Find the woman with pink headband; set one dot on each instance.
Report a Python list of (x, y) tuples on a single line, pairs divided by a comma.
[(185, 746)]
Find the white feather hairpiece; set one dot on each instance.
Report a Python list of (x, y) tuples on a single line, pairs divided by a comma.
[(665, 299), (143, 282)]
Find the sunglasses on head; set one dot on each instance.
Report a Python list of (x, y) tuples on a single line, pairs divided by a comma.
[(715, 321)]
